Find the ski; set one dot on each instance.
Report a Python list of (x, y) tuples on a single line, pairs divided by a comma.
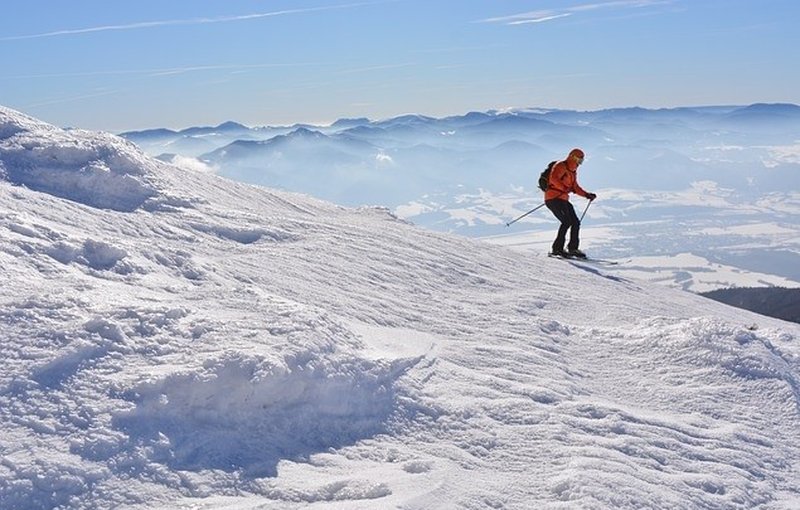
[(584, 259)]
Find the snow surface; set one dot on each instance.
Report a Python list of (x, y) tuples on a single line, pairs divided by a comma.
[(171, 339), (686, 271)]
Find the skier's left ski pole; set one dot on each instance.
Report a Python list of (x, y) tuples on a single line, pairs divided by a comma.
[(584, 211), (527, 213)]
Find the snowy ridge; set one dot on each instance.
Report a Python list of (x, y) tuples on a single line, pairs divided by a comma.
[(238, 347), (95, 169)]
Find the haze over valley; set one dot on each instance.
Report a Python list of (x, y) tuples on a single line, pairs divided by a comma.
[(698, 198)]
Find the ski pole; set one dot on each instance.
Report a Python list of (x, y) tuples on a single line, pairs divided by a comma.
[(527, 213), (584, 211)]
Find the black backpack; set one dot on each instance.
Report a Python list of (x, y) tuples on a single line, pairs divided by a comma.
[(544, 177)]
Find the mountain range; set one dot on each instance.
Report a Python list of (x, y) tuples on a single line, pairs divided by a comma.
[(718, 182)]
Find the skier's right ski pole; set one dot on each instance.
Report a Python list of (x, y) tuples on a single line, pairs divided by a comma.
[(527, 213)]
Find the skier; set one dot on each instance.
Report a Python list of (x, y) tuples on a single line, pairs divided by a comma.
[(563, 181)]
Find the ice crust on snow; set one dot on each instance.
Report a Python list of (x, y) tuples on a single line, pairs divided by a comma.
[(170, 339)]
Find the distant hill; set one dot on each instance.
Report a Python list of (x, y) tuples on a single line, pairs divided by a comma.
[(778, 302)]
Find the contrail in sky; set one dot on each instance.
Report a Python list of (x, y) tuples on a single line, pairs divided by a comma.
[(551, 14), (190, 21)]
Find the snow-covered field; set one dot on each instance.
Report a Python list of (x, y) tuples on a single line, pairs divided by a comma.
[(171, 339), (686, 270)]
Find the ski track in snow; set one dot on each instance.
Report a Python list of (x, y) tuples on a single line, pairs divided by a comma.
[(174, 340)]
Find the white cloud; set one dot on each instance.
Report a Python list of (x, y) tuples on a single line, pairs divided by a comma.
[(192, 164), (539, 19), (415, 208), (384, 159), (551, 14), (785, 154)]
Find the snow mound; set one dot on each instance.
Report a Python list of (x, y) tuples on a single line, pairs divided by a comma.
[(95, 254), (94, 169), (242, 413), (165, 394), (244, 235)]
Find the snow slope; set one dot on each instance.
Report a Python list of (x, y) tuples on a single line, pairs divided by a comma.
[(171, 339)]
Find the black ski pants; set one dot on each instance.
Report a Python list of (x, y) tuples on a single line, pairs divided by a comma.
[(563, 210)]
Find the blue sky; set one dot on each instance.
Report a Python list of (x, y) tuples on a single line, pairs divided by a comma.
[(115, 66)]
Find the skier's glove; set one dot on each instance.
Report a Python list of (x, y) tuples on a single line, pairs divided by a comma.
[(591, 196)]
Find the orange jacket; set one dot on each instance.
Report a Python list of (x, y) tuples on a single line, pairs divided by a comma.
[(563, 181)]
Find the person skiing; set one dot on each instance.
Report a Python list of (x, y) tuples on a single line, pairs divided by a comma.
[(563, 181)]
